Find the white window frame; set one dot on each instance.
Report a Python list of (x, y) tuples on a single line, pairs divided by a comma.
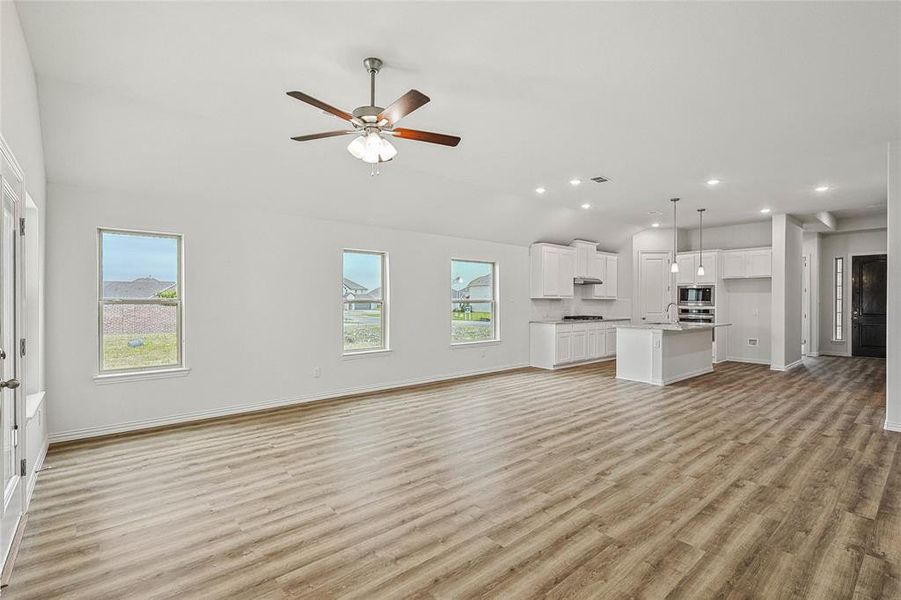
[(838, 299), (178, 302), (495, 304), (386, 346)]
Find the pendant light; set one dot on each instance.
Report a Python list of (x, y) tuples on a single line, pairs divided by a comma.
[(675, 266), (701, 241)]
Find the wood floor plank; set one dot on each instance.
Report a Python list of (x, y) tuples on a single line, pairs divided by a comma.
[(744, 483)]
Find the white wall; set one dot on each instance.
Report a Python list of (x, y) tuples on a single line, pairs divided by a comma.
[(729, 237), (893, 330), (845, 245), (811, 243), (262, 309), (747, 304), (786, 293)]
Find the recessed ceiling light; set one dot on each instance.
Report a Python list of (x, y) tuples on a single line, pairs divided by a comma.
[(765, 210), (655, 224), (712, 181), (822, 188), (575, 181), (586, 206), (540, 190)]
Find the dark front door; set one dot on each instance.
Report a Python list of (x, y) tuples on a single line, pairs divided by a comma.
[(868, 280)]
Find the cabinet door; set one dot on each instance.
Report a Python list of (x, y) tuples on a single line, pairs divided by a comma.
[(599, 270), (566, 270), (760, 263), (611, 342), (709, 261), (734, 265), (687, 267), (610, 282), (579, 343), (550, 272), (564, 347)]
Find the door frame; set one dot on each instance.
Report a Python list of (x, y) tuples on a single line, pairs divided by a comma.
[(8, 164), (847, 319), (805, 305)]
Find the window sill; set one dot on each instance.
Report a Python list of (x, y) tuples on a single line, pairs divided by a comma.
[(475, 344), (366, 354), (140, 375)]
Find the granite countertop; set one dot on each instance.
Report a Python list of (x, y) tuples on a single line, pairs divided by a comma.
[(569, 321), (673, 326)]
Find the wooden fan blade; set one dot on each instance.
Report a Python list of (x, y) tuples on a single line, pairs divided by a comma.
[(321, 105), (427, 136), (403, 106), (319, 136)]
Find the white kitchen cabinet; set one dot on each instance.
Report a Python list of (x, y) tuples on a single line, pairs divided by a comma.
[(579, 343), (585, 252), (564, 347), (557, 344), (610, 341), (552, 271), (688, 269), (745, 264), (606, 269), (760, 263)]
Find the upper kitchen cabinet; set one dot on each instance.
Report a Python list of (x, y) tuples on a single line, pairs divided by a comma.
[(606, 269), (745, 264), (553, 270), (688, 269)]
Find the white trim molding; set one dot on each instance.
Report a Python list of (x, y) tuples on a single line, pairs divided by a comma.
[(787, 367), (90, 432), (892, 426), (33, 473)]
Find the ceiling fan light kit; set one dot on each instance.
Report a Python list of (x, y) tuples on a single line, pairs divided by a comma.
[(372, 123)]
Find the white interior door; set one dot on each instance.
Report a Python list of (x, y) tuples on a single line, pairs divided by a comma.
[(11, 405), (654, 285)]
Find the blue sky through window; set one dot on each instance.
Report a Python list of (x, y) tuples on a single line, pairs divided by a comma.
[(128, 257), (362, 268)]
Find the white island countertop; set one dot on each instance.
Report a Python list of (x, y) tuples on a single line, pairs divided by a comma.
[(676, 327)]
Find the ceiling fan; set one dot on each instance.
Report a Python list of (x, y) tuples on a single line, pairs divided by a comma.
[(372, 123)]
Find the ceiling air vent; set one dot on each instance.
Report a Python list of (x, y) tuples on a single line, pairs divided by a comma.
[(600, 179)]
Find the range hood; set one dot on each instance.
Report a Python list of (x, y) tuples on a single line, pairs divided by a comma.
[(586, 281)]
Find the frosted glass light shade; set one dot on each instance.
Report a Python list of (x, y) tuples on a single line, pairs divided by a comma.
[(700, 270), (674, 268)]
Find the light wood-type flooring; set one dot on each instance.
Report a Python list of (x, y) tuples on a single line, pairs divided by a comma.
[(744, 483)]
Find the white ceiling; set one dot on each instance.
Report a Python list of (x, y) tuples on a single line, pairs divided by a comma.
[(188, 99)]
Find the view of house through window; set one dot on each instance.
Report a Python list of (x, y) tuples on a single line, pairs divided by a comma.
[(364, 301), (473, 301), (140, 304), (837, 333)]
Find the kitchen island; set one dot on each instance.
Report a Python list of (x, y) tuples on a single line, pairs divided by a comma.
[(664, 353)]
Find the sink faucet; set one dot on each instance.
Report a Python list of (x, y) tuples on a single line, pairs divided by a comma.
[(666, 310)]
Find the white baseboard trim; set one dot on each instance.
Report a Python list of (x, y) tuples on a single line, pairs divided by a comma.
[(787, 367), (579, 364), (892, 425), (753, 361), (33, 474), (831, 353), (90, 432), (662, 382), (814, 354)]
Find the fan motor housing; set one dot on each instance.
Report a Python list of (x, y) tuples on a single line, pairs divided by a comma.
[(370, 114)]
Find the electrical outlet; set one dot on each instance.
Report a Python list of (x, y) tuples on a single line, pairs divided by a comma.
[(753, 341), (317, 372)]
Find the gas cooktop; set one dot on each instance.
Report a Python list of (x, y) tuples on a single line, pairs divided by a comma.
[(583, 318)]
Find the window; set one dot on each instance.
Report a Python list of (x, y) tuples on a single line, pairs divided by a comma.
[(140, 301), (837, 333), (363, 292), (473, 292)]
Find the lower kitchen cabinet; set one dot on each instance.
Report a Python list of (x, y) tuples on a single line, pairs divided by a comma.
[(557, 344)]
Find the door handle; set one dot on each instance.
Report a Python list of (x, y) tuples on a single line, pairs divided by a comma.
[(10, 383)]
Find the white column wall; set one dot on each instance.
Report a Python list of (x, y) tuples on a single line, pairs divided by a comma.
[(893, 329)]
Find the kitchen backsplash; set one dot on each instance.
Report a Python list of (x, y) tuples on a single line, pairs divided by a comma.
[(548, 310)]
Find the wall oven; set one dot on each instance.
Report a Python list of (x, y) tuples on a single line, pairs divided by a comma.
[(694, 295), (696, 315)]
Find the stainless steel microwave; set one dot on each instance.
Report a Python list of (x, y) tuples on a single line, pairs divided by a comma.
[(696, 295)]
